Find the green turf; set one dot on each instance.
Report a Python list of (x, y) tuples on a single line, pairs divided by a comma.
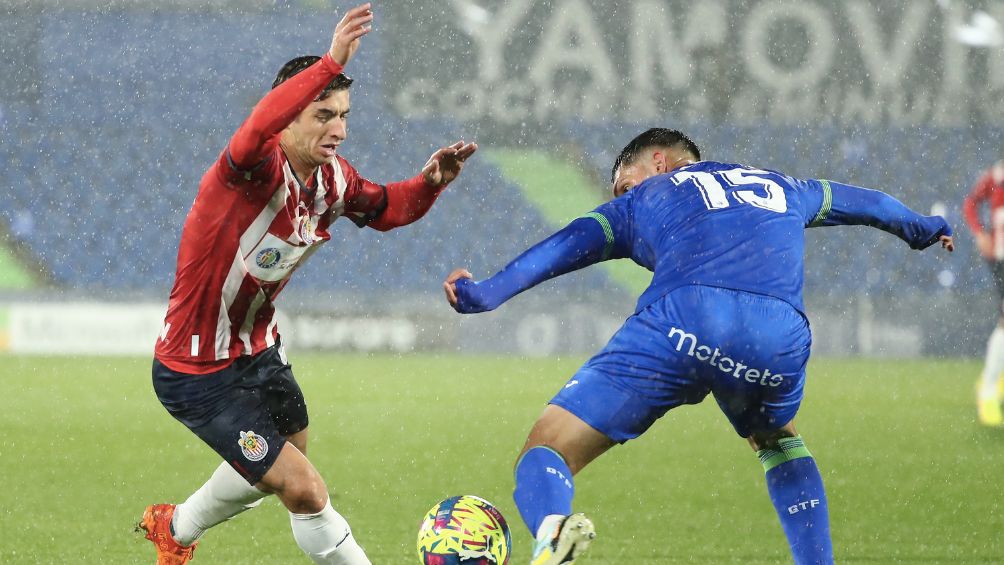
[(13, 276), (84, 445)]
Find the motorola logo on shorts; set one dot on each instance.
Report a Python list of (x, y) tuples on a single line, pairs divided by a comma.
[(714, 357)]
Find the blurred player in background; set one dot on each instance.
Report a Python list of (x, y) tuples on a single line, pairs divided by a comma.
[(219, 368), (723, 315), (990, 243)]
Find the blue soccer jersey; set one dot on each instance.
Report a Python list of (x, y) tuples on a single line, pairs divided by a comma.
[(723, 316), (712, 224), (724, 313)]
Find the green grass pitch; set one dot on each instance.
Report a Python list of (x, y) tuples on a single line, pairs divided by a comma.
[(84, 446)]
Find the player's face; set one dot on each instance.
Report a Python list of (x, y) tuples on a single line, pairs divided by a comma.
[(628, 176), (321, 128)]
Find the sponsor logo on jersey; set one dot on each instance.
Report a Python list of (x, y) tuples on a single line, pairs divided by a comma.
[(723, 363), (253, 446), (268, 258)]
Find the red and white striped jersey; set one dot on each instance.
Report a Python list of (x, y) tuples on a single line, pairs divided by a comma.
[(238, 250), (254, 223), (989, 188)]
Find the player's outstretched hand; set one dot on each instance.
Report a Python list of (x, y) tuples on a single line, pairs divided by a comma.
[(947, 243), (450, 285), (353, 25), (446, 164)]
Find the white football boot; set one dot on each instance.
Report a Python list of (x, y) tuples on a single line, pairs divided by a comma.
[(570, 539)]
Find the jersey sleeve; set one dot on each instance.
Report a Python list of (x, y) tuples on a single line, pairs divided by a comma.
[(364, 199), (979, 194), (385, 207), (847, 205), (597, 236), (407, 201), (253, 146), (617, 220)]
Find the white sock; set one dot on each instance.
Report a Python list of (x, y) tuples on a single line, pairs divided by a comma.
[(548, 524), (326, 537), (993, 366), (225, 495)]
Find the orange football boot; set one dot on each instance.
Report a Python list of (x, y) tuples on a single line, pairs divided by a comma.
[(157, 525)]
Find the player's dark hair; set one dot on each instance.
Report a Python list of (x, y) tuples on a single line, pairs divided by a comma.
[(294, 66), (655, 137)]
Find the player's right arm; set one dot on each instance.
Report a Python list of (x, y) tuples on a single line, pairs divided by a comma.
[(255, 141), (971, 212), (841, 204), (602, 234)]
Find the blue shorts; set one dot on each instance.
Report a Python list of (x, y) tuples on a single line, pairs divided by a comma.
[(748, 350), (244, 412)]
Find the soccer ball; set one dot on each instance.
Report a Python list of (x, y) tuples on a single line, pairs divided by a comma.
[(464, 530)]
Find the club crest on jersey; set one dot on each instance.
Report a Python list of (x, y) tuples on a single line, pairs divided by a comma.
[(268, 258), (307, 231), (253, 446)]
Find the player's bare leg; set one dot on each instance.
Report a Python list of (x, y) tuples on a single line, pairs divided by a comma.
[(560, 445), (796, 489), (299, 440), (320, 531), (576, 441), (989, 396), (769, 439)]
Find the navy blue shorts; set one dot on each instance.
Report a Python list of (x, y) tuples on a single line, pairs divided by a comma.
[(243, 412), (748, 350)]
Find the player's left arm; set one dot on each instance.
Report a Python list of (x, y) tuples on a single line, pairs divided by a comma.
[(401, 203), (586, 240), (844, 204)]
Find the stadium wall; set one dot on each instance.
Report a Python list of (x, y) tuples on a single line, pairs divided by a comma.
[(902, 96), (913, 326)]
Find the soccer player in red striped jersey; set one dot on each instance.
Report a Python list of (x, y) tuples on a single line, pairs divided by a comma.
[(262, 209), (989, 189)]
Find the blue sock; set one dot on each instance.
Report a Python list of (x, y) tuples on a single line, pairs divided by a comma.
[(796, 489), (543, 486)]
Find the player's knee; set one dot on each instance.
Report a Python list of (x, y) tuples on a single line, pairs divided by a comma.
[(305, 497), (533, 445), (767, 439), (564, 433), (302, 491)]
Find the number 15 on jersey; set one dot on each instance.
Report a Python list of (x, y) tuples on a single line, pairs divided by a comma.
[(741, 184)]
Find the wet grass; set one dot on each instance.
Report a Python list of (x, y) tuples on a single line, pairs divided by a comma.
[(84, 446)]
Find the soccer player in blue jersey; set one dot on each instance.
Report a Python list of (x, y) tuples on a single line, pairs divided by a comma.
[(723, 315)]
